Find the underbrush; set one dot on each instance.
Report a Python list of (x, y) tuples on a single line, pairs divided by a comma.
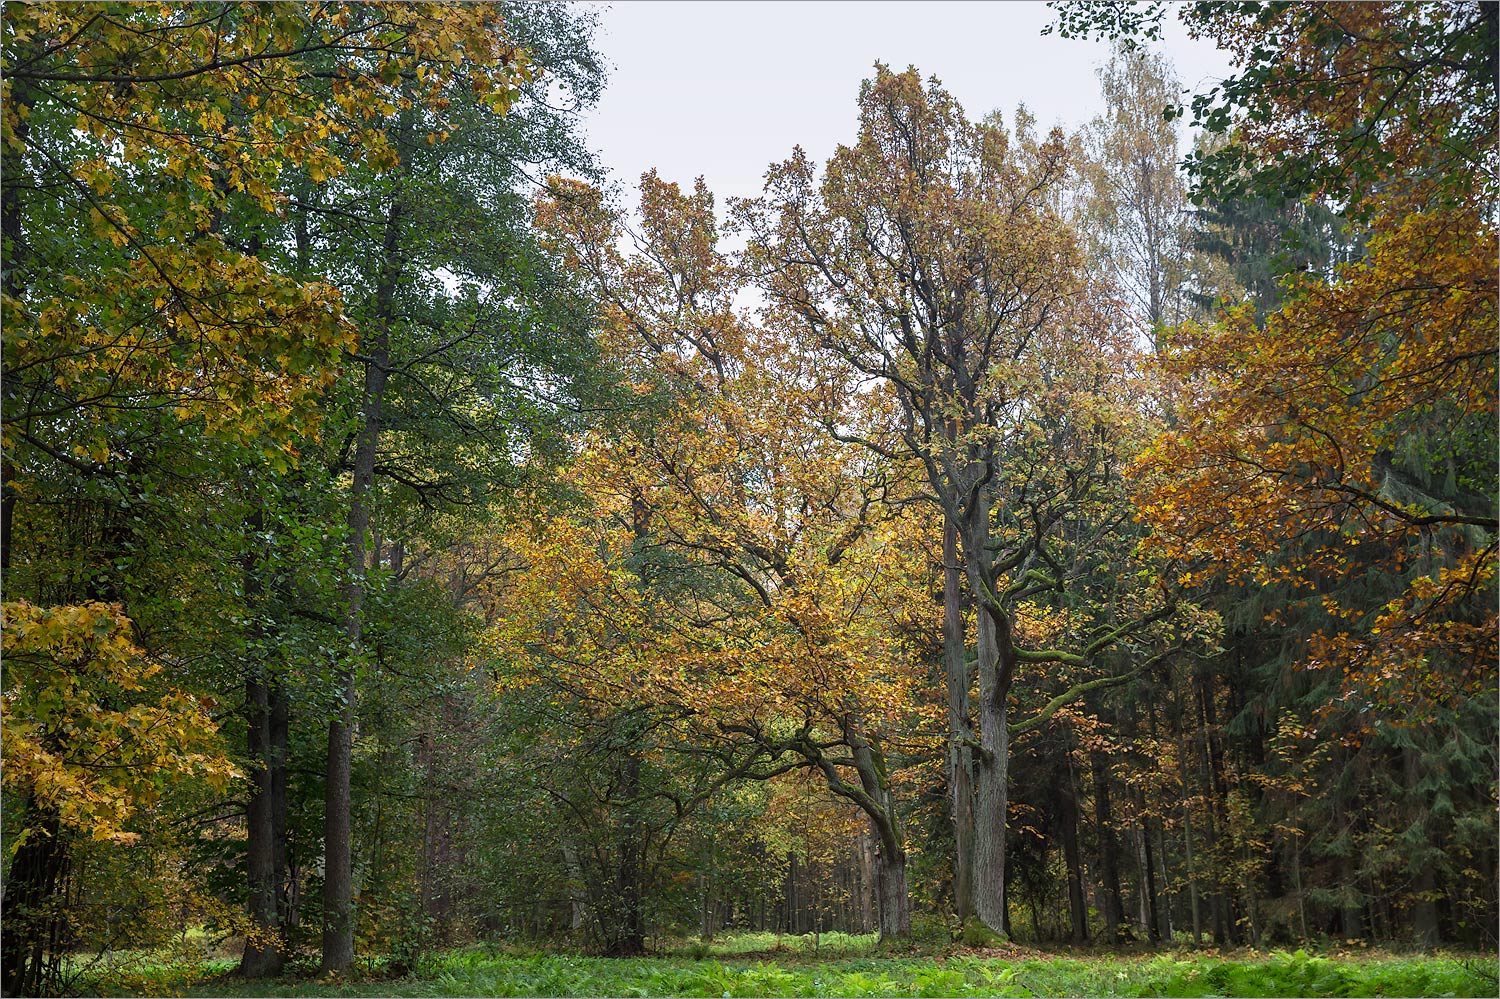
[(768, 965)]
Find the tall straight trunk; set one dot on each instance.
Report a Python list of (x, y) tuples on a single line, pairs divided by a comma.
[(992, 778), (276, 760), (960, 725), (578, 899), (1187, 829), (1109, 850), (628, 934), (868, 905), (263, 953), (1351, 923), (1215, 792), (338, 866), (1078, 912)]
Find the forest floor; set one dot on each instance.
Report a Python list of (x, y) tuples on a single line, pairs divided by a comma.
[(773, 965)]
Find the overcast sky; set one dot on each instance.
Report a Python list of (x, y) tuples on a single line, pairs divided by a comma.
[(723, 89)]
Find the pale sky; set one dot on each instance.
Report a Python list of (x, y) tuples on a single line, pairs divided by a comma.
[(723, 89)]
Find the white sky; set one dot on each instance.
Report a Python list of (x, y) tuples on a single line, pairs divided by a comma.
[(723, 89)]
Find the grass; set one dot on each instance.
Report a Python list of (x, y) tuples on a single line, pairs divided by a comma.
[(772, 965)]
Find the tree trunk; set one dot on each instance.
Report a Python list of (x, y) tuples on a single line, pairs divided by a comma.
[(338, 868), (992, 773), (895, 897), (1109, 850), (960, 725), (32, 911), (1068, 819), (1424, 913), (263, 954), (868, 905), (286, 875)]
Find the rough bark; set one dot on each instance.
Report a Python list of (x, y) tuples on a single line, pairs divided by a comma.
[(960, 725), (263, 955), (895, 896), (263, 952), (992, 778), (868, 905)]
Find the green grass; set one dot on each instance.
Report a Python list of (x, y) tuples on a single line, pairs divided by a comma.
[(767, 965)]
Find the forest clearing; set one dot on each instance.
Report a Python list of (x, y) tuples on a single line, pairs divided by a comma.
[(833, 964), (1023, 524)]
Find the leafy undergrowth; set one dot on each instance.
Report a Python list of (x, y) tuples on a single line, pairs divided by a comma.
[(788, 967)]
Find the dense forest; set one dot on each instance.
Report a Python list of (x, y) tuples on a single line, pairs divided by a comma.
[(992, 533)]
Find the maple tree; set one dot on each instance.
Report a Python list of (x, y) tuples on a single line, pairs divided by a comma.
[(88, 750)]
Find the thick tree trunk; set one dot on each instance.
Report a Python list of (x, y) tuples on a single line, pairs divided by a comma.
[(627, 934), (992, 778), (960, 725), (578, 899), (895, 896), (874, 799)]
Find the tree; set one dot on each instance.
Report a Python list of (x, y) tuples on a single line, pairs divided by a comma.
[(156, 145), (1137, 198), (1340, 421), (84, 766), (932, 258), (1344, 419), (735, 476)]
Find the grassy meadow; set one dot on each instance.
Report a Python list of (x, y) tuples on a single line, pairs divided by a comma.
[(765, 964)]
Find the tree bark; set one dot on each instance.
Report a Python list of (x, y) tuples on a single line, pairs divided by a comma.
[(895, 896), (1109, 850), (338, 868), (33, 909), (992, 784), (263, 954), (960, 725), (1068, 819)]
